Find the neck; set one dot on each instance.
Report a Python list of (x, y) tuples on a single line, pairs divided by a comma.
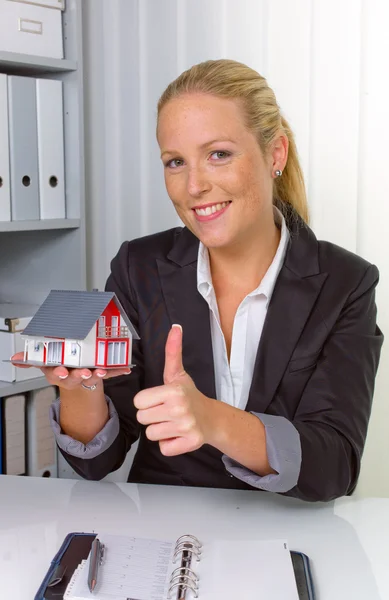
[(245, 263)]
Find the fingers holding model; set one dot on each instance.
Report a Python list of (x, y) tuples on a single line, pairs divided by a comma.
[(71, 379), (177, 413)]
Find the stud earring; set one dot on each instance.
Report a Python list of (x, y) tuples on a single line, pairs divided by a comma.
[(278, 173)]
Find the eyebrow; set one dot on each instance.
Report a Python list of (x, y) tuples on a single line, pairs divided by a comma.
[(217, 140)]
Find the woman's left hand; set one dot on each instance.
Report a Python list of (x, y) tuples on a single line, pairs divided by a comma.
[(176, 414)]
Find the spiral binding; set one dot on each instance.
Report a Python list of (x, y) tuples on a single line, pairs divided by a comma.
[(183, 578)]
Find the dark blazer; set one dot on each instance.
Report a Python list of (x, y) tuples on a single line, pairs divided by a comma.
[(316, 361)]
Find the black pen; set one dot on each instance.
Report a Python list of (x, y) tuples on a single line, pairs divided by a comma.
[(96, 554)]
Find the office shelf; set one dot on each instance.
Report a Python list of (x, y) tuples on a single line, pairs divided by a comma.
[(34, 65), (20, 387), (39, 225)]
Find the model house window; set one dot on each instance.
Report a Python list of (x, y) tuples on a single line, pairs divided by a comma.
[(54, 352), (122, 353), (101, 353), (73, 349), (116, 353), (101, 326), (115, 326), (37, 347)]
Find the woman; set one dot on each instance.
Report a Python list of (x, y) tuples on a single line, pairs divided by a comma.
[(269, 380)]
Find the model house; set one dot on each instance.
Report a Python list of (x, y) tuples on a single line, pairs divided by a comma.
[(79, 329)]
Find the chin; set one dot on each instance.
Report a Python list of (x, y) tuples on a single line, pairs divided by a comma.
[(215, 241), (210, 239)]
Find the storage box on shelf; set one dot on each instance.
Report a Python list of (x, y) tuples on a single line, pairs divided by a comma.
[(13, 319), (33, 27)]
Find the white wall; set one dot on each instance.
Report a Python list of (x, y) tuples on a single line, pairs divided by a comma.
[(326, 61)]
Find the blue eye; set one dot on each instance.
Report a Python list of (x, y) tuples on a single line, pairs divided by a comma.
[(221, 154), (175, 163), (174, 160)]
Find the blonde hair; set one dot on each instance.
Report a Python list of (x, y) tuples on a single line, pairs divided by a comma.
[(235, 80)]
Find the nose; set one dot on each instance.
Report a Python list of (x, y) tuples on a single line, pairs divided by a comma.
[(198, 182)]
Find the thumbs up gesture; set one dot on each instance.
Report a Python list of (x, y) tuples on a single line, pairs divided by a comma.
[(175, 413)]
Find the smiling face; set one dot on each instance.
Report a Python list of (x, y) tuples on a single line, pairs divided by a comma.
[(215, 173)]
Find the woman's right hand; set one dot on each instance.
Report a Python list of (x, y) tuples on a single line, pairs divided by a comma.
[(71, 379)]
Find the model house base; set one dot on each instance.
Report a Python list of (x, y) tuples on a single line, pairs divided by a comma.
[(79, 329), (31, 363)]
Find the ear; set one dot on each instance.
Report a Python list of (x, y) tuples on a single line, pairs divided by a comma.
[(279, 152)]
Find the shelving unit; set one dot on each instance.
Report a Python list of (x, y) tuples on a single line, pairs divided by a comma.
[(37, 256), (39, 225)]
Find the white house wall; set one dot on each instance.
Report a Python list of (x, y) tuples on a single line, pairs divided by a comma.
[(39, 355), (69, 358), (88, 348), (31, 354)]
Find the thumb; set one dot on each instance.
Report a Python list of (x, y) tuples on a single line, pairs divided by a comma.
[(173, 355)]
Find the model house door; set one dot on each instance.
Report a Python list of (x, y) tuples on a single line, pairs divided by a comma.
[(117, 352), (54, 352)]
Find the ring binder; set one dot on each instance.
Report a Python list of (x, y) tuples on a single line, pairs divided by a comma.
[(190, 537), (183, 577), (183, 587), (190, 571), (186, 546)]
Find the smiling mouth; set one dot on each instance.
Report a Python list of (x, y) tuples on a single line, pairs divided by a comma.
[(210, 210)]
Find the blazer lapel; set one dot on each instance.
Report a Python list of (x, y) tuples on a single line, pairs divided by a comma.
[(297, 288), (186, 306)]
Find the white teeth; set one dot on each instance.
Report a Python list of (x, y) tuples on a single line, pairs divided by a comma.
[(211, 209)]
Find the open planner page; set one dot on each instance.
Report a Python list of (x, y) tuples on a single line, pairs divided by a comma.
[(133, 569), (255, 569)]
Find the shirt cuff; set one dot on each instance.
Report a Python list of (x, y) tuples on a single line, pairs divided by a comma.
[(284, 454), (101, 442)]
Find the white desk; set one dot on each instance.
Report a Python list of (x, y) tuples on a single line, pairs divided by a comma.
[(346, 540)]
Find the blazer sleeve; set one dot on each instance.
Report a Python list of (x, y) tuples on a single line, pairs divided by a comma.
[(333, 414), (120, 389)]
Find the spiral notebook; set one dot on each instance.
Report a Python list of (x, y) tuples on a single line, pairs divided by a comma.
[(149, 569)]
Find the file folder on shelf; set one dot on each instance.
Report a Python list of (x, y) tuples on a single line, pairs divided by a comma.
[(50, 148), (41, 446), (23, 144), (14, 459), (5, 196)]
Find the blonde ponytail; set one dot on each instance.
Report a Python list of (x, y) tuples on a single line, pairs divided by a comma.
[(289, 189)]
